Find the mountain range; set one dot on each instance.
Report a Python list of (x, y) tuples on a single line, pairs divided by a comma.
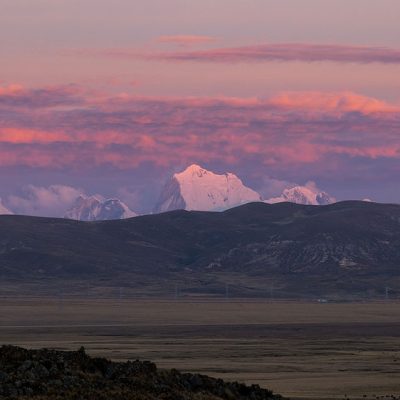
[(193, 189), (343, 250), (198, 189)]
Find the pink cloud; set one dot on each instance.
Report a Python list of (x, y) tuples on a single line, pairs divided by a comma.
[(288, 129), (186, 40), (10, 90), (333, 102), (23, 135)]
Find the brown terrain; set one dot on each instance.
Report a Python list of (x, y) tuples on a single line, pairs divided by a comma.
[(304, 350)]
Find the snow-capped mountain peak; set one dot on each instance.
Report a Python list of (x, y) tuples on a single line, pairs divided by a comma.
[(96, 208), (308, 194), (194, 169), (198, 189)]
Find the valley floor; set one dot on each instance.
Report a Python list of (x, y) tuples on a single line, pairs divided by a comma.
[(300, 350)]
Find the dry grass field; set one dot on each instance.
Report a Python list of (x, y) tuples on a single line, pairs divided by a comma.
[(301, 350)]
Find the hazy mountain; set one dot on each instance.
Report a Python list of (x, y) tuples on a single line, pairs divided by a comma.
[(95, 208), (198, 189), (308, 194), (4, 210), (350, 248)]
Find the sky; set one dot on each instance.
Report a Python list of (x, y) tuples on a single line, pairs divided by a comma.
[(112, 97)]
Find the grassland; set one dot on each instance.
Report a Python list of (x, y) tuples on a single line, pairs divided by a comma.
[(301, 350)]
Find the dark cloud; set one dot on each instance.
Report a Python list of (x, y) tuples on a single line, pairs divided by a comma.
[(279, 52), (16, 96)]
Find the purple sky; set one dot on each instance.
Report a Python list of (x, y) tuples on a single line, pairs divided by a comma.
[(113, 97)]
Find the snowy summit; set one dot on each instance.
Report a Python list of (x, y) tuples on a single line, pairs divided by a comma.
[(95, 208), (307, 194), (199, 189)]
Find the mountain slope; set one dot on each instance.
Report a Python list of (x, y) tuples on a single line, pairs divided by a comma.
[(352, 247), (94, 208), (198, 189)]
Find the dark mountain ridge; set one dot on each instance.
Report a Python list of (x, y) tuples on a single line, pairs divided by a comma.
[(348, 246)]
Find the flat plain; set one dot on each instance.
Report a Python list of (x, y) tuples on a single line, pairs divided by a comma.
[(304, 350)]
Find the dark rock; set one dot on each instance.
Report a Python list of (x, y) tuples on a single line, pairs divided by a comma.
[(48, 374), (3, 376)]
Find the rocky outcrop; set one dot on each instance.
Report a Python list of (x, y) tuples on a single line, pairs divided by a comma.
[(49, 374)]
